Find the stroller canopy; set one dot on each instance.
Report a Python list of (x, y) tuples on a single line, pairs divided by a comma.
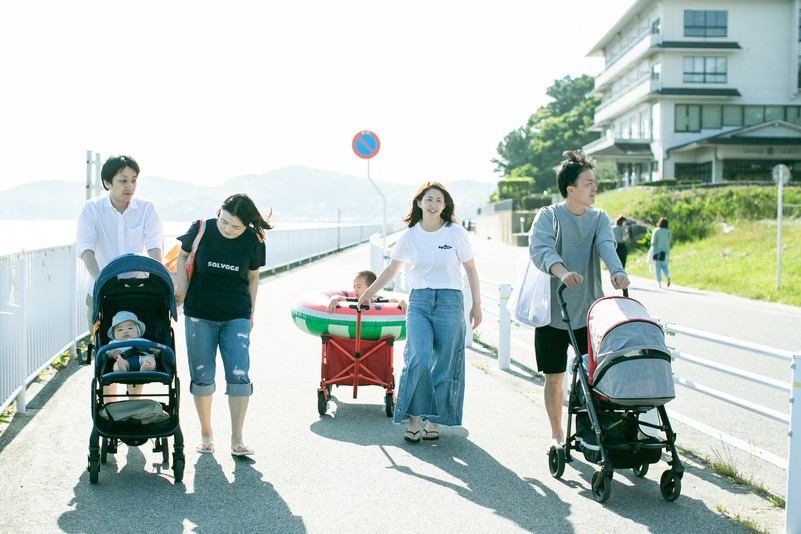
[(134, 266), (628, 361)]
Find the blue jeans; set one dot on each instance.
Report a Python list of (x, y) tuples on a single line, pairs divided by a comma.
[(432, 383), (662, 267), (233, 338)]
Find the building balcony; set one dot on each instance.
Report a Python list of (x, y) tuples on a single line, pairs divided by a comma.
[(631, 55), (627, 98)]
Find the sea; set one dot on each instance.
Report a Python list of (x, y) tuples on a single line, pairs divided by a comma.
[(17, 235)]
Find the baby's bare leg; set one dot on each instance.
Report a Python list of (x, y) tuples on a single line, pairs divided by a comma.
[(147, 363), (121, 365)]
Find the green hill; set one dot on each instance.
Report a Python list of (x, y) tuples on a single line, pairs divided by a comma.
[(739, 262)]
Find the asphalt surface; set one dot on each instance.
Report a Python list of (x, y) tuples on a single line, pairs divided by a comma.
[(350, 470)]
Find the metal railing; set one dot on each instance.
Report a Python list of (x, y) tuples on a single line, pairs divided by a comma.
[(43, 305)]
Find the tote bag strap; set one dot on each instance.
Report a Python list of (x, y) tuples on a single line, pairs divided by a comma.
[(191, 259)]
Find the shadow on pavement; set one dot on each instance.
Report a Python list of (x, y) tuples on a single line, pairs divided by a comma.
[(483, 480), (134, 500)]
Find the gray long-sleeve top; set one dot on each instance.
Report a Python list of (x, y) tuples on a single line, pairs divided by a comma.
[(574, 248)]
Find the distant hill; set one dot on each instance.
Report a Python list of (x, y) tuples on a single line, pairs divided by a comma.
[(295, 194)]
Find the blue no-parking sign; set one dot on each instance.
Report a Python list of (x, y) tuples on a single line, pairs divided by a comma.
[(366, 144)]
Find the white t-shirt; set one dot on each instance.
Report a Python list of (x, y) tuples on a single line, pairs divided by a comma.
[(109, 233), (435, 257)]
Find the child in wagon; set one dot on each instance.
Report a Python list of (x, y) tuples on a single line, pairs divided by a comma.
[(360, 283), (125, 326)]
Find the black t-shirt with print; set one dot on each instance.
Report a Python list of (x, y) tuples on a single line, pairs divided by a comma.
[(218, 290)]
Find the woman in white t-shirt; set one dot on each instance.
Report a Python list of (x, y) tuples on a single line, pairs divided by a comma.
[(431, 387)]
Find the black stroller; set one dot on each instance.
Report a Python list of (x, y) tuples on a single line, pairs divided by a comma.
[(626, 376), (143, 286)]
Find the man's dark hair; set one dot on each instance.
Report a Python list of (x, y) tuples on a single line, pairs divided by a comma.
[(575, 163), (115, 164)]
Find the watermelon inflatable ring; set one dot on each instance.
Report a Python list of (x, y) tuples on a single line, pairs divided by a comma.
[(383, 319)]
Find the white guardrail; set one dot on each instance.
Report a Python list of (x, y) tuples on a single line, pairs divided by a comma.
[(43, 306)]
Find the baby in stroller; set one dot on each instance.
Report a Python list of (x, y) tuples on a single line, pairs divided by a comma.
[(126, 326)]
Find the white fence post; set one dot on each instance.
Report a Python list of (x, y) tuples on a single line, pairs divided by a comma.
[(468, 304), (22, 298), (793, 513), (504, 327)]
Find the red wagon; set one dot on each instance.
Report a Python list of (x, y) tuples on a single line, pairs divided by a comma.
[(356, 362)]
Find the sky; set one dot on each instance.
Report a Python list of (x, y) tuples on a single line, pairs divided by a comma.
[(206, 91)]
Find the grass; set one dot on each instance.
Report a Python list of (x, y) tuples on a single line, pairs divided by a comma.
[(741, 262), (748, 524)]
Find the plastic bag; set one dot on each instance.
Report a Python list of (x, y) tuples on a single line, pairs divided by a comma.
[(530, 301)]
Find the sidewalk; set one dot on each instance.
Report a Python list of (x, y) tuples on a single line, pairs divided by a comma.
[(349, 471)]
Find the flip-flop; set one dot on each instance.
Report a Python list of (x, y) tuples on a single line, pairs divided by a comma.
[(430, 435), (206, 447), (412, 436), (242, 450)]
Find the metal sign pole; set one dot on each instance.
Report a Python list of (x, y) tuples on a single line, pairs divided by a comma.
[(384, 222), (779, 239)]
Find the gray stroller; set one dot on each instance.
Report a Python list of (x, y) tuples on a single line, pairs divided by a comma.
[(626, 375)]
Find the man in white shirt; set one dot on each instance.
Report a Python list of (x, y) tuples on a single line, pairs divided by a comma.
[(116, 224)]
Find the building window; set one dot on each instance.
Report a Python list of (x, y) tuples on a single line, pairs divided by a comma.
[(732, 115), (711, 117), (773, 113), (794, 115), (705, 23), (688, 118), (753, 115), (656, 71), (705, 69), (694, 171), (656, 27)]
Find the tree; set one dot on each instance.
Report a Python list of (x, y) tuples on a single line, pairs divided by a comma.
[(534, 150)]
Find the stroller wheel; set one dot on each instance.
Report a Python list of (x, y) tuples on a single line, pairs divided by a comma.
[(556, 461), (178, 467), (640, 471), (94, 469), (670, 486), (601, 486)]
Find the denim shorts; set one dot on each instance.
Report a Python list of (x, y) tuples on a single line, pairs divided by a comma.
[(233, 339)]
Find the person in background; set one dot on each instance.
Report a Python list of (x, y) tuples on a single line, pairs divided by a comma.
[(660, 244), (360, 283), (573, 258), (116, 224), (219, 305), (431, 387), (621, 232)]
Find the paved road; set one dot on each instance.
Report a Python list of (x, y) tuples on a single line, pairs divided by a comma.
[(348, 471)]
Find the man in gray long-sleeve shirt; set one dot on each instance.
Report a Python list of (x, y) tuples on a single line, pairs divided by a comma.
[(571, 255)]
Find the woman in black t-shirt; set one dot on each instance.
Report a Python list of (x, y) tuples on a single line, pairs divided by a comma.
[(218, 309)]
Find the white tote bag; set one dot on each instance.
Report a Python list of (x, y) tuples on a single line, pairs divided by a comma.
[(530, 301)]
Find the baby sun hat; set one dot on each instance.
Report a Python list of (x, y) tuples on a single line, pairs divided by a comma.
[(126, 316)]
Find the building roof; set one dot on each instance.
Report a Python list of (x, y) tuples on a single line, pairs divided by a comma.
[(696, 91), (699, 44), (774, 133)]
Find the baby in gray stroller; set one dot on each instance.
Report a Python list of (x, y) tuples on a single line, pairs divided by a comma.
[(125, 326)]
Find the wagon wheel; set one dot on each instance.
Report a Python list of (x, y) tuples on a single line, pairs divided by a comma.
[(640, 471), (321, 404), (556, 461), (670, 486), (601, 486), (389, 403)]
